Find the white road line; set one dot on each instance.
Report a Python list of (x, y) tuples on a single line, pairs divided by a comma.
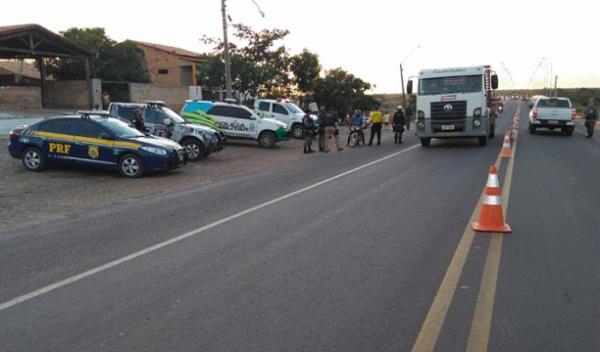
[(26, 297)]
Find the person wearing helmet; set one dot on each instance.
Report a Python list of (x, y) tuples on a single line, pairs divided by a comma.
[(398, 124)]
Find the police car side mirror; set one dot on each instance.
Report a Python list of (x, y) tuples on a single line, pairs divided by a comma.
[(167, 122)]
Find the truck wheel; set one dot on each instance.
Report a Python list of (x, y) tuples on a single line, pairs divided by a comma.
[(33, 159), (425, 142), (297, 131), (568, 131), (131, 166), (483, 141), (267, 139), (194, 149), (531, 129)]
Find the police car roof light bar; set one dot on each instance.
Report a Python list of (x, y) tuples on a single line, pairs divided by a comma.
[(86, 114)]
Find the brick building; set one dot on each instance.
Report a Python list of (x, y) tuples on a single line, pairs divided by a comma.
[(170, 66)]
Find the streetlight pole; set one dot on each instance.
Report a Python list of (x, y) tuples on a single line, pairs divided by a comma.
[(226, 57)]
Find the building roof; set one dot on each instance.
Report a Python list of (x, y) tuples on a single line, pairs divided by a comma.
[(182, 53), (33, 40), (24, 68)]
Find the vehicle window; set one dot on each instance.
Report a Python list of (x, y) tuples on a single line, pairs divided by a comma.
[(172, 115), (153, 115), (123, 112), (264, 106), (64, 126), (87, 129), (230, 111), (449, 85), (120, 128), (553, 103), (294, 108), (279, 109)]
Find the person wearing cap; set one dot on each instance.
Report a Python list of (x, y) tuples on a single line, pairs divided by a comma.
[(398, 124)]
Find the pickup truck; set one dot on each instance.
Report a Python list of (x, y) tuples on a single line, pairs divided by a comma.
[(552, 113)]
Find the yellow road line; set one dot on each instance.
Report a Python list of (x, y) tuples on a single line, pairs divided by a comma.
[(430, 331), (482, 319), (432, 326)]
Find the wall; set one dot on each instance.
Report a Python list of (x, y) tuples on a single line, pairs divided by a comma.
[(67, 94), (159, 60), (174, 97), (20, 98)]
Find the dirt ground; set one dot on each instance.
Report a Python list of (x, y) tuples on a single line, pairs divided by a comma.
[(29, 198)]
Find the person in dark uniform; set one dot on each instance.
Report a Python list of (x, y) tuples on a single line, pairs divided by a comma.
[(309, 132), (591, 116), (398, 125), (138, 120), (320, 120), (408, 115)]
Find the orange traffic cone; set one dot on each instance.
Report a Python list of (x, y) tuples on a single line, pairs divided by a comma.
[(505, 152), (491, 217)]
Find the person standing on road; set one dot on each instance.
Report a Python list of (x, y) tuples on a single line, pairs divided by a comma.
[(398, 125), (386, 121), (138, 120), (321, 128), (375, 119), (329, 124), (309, 132), (408, 115), (591, 116)]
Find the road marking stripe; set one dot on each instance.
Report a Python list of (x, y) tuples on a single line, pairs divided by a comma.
[(26, 297), (432, 326), (479, 335)]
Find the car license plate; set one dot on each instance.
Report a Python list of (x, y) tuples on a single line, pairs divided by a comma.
[(553, 122), (448, 127)]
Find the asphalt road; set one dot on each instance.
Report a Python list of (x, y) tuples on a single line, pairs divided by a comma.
[(341, 252)]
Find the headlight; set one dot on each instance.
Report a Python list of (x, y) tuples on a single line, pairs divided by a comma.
[(154, 150), (421, 125), (476, 123), (477, 112), (420, 114)]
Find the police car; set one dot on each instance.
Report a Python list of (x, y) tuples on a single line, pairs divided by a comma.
[(93, 139)]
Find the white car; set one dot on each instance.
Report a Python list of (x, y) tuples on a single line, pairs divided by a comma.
[(284, 111), (237, 121)]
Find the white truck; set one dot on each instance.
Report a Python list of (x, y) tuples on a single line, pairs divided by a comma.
[(552, 113), (455, 103), (282, 110)]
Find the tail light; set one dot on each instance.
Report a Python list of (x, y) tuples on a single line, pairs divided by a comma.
[(573, 114), (15, 134), (534, 113)]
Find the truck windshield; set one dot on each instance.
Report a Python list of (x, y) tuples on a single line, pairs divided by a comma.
[(449, 85)]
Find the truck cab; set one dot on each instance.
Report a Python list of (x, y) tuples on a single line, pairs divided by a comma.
[(455, 103)]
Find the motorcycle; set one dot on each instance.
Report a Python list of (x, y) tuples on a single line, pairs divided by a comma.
[(356, 135)]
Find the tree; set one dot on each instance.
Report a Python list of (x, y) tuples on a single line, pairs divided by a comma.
[(113, 61), (341, 91), (306, 69)]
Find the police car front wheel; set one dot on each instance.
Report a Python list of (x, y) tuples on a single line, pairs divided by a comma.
[(194, 149), (33, 159), (131, 166)]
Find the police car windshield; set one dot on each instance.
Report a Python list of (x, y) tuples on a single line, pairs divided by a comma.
[(120, 129), (293, 108), (173, 115)]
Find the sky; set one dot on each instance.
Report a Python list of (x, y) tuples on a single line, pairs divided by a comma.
[(524, 40)]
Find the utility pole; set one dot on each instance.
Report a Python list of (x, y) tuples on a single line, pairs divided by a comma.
[(556, 85), (226, 57), (403, 93)]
